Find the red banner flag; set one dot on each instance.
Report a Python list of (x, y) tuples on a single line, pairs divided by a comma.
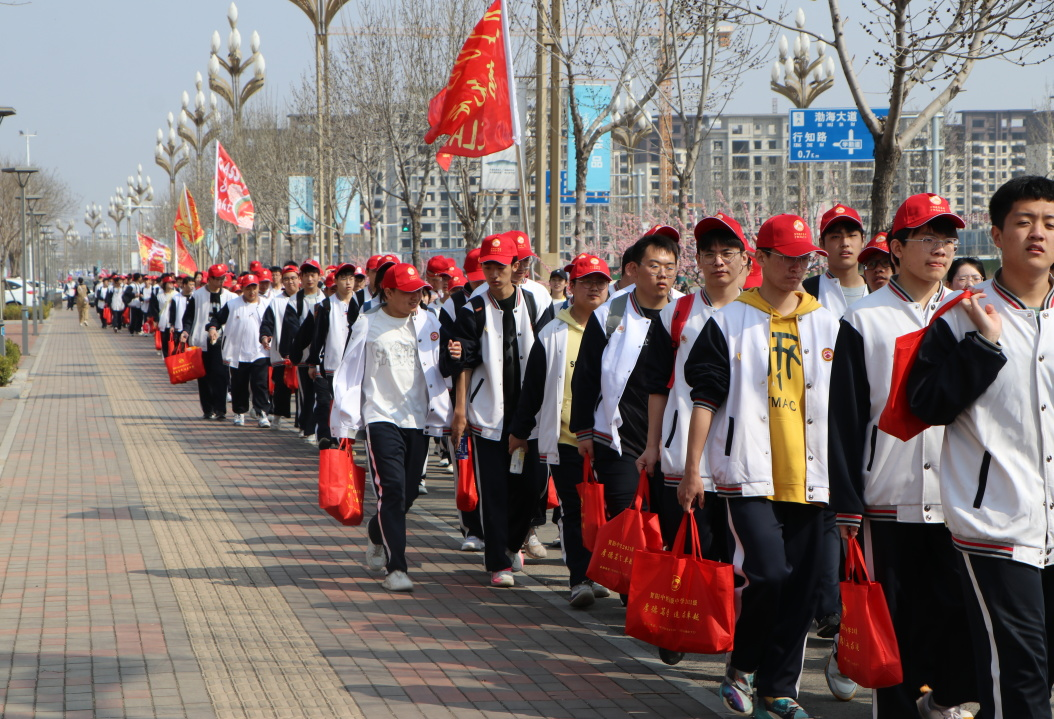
[(154, 254), (187, 224), (477, 108), (185, 264), (232, 196)]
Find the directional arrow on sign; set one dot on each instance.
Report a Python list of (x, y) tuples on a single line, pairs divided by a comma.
[(850, 143)]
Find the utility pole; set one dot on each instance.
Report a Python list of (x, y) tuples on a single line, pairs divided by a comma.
[(555, 133)]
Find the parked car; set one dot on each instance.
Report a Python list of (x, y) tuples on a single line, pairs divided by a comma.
[(13, 292)]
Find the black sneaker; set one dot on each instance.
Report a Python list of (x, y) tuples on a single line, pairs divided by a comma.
[(209, 415), (827, 626), (670, 657), (220, 417)]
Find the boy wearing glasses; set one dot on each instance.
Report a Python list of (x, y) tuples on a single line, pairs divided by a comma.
[(892, 487), (760, 377), (983, 372), (609, 411), (877, 262)]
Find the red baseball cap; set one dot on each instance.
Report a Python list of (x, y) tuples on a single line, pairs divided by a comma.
[(291, 268), (571, 264), (255, 265), (589, 265), (664, 230), (265, 275), (523, 245), (217, 271), (404, 277), (437, 264), (249, 279), (330, 268), (342, 267), (456, 280), (311, 266), (330, 279), (498, 248), (473, 273), (717, 222), (878, 245), (753, 276), (371, 264), (360, 271), (917, 210), (788, 235), (837, 213), (385, 260)]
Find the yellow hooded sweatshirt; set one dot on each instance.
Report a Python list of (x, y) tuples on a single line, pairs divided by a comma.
[(786, 395)]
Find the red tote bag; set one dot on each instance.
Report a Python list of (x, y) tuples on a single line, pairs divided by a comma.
[(897, 419), (157, 340), (552, 499), (591, 492), (185, 365), (465, 496), (618, 540), (682, 602), (107, 315), (341, 484), (867, 645), (291, 377)]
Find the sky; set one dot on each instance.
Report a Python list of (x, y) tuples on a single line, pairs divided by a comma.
[(95, 79)]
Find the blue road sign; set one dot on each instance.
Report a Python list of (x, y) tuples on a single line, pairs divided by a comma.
[(567, 197), (830, 134)]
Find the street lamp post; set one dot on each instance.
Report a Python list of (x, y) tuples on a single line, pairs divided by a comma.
[(801, 79), (116, 213), (631, 126), (93, 218), (139, 193), (203, 119), (23, 174), (171, 157), (36, 270)]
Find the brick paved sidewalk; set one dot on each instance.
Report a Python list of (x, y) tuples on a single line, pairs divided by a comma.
[(158, 565)]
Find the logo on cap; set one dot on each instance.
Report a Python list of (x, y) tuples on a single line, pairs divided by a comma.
[(411, 271), (936, 199), (839, 210), (799, 225), (594, 261), (495, 243)]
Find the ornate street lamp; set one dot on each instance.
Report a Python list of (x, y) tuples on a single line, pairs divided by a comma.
[(93, 218), (198, 127), (232, 91), (117, 214), (139, 193), (169, 156), (23, 174), (632, 125)]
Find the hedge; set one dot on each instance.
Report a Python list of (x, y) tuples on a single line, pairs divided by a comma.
[(9, 364)]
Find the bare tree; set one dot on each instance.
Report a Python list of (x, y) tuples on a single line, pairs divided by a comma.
[(56, 202)]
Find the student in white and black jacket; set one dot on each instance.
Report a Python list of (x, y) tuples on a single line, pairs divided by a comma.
[(115, 301), (545, 403), (102, 290), (201, 308), (331, 325), (496, 331), (307, 298), (388, 383), (277, 332), (986, 371), (760, 377), (895, 485), (609, 413), (166, 307)]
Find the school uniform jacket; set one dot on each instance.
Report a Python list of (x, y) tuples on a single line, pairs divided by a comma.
[(196, 315), (997, 465), (828, 290), (176, 307), (542, 395), (282, 322), (242, 336), (479, 330), (872, 473), (539, 294), (331, 334), (728, 371), (301, 340), (612, 294), (346, 415), (115, 299)]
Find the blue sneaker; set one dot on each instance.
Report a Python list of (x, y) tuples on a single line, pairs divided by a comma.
[(781, 708), (737, 692)]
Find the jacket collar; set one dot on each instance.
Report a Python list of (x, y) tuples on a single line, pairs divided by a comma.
[(1013, 300), (900, 293)]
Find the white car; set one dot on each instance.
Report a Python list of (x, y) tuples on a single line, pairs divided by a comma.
[(13, 292)]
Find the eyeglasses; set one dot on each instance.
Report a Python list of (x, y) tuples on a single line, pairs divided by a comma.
[(590, 281), (876, 264), (932, 243), (802, 260), (974, 279), (655, 269), (727, 256)]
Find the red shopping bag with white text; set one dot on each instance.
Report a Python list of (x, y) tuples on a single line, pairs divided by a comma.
[(185, 364), (867, 645), (619, 539), (341, 484), (591, 492), (682, 602), (465, 497)]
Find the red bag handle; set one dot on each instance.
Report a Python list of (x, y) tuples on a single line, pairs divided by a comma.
[(682, 309), (643, 491), (180, 348), (966, 294), (678, 542), (588, 475), (855, 568)]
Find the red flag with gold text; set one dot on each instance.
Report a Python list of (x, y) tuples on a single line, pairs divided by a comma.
[(187, 224), (477, 107), (232, 195), (154, 254), (185, 264)]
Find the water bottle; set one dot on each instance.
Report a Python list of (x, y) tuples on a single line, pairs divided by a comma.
[(462, 448), (516, 465)]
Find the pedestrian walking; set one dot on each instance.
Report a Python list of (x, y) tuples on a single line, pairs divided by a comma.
[(327, 348), (82, 302), (202, 307), (277, 333)]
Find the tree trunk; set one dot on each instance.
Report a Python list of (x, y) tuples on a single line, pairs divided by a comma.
[(887, 159), (581, 166), (415, 236)]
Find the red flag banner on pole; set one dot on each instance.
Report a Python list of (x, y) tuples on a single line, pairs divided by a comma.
[(232, 196), (185, 264), (154, 254), (187, 224), (477, 107)]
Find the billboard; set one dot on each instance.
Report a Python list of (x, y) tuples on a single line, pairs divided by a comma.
[(347, 207), (301, 205), (592, 100)]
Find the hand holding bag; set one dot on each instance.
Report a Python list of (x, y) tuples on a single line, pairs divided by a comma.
[(682, 602), (591, 492), (617, 541), (185, 364), (465, 496), (867, 645)]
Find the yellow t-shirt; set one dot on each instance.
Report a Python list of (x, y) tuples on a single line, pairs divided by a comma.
[(574, 342)]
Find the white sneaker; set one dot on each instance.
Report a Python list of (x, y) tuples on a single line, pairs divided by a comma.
[(444, 462), (310, 438), (397, 581), (600, 591), (264, 422), (472, 544), (376, 557), (842, 687), (534, 547), (929, 709), (276, 423), (239, 420), (582, 595), (421, 488), (515, 560), (503, 578), (449, 469)]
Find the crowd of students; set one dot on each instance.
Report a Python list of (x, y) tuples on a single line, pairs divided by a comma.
[(754, 399)]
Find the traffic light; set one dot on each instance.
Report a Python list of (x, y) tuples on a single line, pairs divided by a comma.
[(406, 225)]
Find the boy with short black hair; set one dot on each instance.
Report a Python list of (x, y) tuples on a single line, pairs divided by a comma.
[(842, 238), (327, 347), (981, 370)]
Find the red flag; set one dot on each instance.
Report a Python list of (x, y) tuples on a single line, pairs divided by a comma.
[(154, 254), (232, 196), (187, 224), (185, 264), (477, 108)]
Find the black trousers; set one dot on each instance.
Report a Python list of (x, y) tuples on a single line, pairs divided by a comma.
[(166, 335), (212, 388), (919, 571), (99, 307), (395, 456), (777, 562), (282, 398), (507, 501), (305, 401), (618, 473), (828, 595), (135, 324), (1010, 606), (118, 319), (246, 378), (566, 476), (323, 404)]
